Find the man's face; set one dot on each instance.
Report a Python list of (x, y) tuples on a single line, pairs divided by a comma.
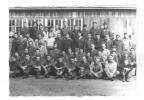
[(103, 46), (27, 57), (39, 36), (37, 51), (28, 35), (132, 51), (105, 26), (15, 35), (94, 25), (56, 27), (60, 59), (107, 37), (48, 58), (110, 58), (85, 28), (76, 28), (46, 29), (41, 27), (88, 54), (26, 50), (16, 54), (118, 37), (59, 35), (30, 43), (126, 35), (98, 36), (38, 58), (89, 36)]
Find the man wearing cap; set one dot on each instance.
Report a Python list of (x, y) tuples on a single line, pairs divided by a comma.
[(65, 29), (94, 30), (33, 31), (85, 31), (105, 31), (25, 29)]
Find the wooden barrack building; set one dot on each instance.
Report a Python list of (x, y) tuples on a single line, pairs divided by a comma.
[(120, 19)]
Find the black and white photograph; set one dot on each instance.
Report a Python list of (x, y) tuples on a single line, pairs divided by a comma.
[(69, 50)]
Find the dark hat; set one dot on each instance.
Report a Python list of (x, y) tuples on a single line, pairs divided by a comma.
[(105, 23), (84, 25)]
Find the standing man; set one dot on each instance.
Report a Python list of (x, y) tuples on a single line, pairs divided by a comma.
[(33, 31), (94, 30), (65, 29), (105, 31), (126, 42), (25, 29), (85, 31)]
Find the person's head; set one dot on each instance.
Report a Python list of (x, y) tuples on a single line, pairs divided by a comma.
[(56, 27), (16, 54), (114, 49), (69, 50), (97, 36), (88, 54), (41, 27), (103, 46), (60, 59), (20, 36), (46, 29), (75, 27), (13, 58), (37, 51), (117, 37), (51, 29), (107, 37), (63, 52), (38, 58), (113, 36), (81, 50), (94, 24), (27, 35), (113, 53), (126, 35), (35, 25), (89, 36), (67, 36), (25, 24), (30, 43), (110, 58), (65, 23), (40, 36), (27, 57), (105, 25), (79, 34), (92, 46), (99, 53), (132, 51), (48, 57), (85, 27), (59, 35), (26, 50), (15, 35), (84, 59), (55, 45), (97, 59)]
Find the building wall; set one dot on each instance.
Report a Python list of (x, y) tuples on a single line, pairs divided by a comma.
[(119, 21)]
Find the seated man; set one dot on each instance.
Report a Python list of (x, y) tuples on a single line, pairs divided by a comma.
[(26, 66), (96, 68), (84, 68), (110, 68), (37, 66), (48, 66), (14, 67), (132, 72), (59, 67), (126, 67)]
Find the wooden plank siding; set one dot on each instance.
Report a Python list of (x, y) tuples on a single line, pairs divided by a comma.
[(119, 20)]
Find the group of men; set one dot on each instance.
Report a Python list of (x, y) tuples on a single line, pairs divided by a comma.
[(71, 54)]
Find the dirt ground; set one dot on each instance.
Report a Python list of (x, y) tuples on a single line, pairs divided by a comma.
[(59, 87)]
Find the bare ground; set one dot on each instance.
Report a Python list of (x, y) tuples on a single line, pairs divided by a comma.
[(60, 87)]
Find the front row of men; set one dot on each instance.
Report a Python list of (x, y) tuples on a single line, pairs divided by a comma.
[(75, 65)]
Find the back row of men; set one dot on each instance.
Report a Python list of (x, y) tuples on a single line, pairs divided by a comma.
[(96, 44)]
